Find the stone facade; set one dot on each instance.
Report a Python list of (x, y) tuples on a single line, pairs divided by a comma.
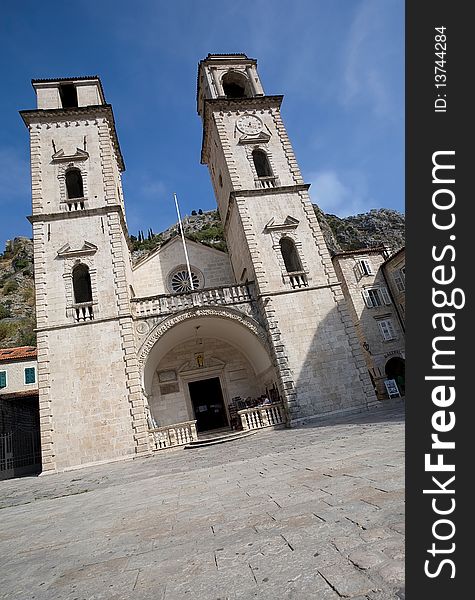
[(394, 270), (122, 348), (374, 312)]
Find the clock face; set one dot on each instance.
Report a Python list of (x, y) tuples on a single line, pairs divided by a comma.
[(249, 124)]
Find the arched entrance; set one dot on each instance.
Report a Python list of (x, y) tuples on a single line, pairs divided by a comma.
[(395, 369), (198, 367)]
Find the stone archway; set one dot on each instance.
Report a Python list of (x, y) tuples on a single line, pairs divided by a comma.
[(395, 369), (242, 331), (203, 344)]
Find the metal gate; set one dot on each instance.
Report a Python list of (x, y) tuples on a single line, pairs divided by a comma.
[(20, 453)]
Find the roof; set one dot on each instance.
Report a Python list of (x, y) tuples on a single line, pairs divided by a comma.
[(20, 353), (375, 250), (220, 54), (50, 79), (173, 239), (393, 256)]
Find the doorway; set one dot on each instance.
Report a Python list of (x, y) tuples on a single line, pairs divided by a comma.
[(395, 369), (208, 405)]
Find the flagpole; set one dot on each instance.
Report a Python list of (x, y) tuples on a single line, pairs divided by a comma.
[(184, 243)]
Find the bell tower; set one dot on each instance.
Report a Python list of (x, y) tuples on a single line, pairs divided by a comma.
[(274, 239), (91, 407)]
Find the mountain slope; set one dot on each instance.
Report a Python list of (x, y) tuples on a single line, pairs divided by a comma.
[(17, 294)]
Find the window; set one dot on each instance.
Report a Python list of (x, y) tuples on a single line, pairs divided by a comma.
[(365, 267), (261, 163), (374, 297), (82, 284), (82, 288), (68, 95), (3, 379), (399, 279), (290, 255), (30, 375), (292, 263), (387, 329), (235, 85), (180, 281), (74, 186)]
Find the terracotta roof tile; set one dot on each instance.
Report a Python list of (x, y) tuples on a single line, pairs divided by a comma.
[(8, 354)]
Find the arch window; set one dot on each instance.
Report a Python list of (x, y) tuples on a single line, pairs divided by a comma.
[(261, 163), (82, 289), (74, 184), (235, 85), (292, 263)]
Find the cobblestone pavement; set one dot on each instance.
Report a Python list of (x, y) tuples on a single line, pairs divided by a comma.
[(314, 512)]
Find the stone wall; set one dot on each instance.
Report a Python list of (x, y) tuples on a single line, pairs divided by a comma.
[(90, 412), (151, 275)]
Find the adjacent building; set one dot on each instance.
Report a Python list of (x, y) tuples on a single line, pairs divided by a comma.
[(19, 420), (373, 284)]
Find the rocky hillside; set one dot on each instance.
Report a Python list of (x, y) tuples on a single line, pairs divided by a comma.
[(17, 296), (374, 228)]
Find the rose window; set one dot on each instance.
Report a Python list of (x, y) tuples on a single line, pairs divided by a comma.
[(180, 281)]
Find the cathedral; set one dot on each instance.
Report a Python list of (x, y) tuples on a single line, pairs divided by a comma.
[(133, 357)]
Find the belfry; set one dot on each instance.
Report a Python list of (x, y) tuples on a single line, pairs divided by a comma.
[(135, 357)]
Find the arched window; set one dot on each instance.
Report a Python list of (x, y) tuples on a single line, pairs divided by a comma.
[(235, 85), (290, 255), (74, 185), (82, 288), (293, 266), (261, 163), (82, 284)]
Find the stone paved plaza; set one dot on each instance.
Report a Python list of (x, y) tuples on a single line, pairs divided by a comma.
[(314, 512)]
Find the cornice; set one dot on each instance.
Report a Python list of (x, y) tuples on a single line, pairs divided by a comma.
[(78, 214), (282, 189)]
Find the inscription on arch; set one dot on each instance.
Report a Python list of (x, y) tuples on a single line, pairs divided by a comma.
[(196, 313)]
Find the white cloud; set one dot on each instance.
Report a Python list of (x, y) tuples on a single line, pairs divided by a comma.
[(152, 189), (368, 73), (334, 196)]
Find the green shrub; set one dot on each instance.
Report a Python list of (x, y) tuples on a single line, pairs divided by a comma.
[(10, 286), (5, 311), (7, 329)]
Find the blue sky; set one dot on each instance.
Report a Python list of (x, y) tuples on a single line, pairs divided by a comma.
[(339, 64)]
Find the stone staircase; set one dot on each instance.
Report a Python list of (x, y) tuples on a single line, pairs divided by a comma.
[(219, 436)]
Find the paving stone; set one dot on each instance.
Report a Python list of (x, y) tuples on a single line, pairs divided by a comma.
[(393, 571), (365, 559), (346, 580), (276, 516)]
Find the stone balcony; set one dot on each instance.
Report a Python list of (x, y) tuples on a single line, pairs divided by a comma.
[(166, 304)]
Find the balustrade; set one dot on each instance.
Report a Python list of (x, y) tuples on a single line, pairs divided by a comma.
[(298, 279), (267, 415), (166, 304), (266, 182), (83, 312), (178, 434)]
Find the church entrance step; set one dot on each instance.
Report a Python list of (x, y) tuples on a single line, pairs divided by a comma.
[(219, 439)]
